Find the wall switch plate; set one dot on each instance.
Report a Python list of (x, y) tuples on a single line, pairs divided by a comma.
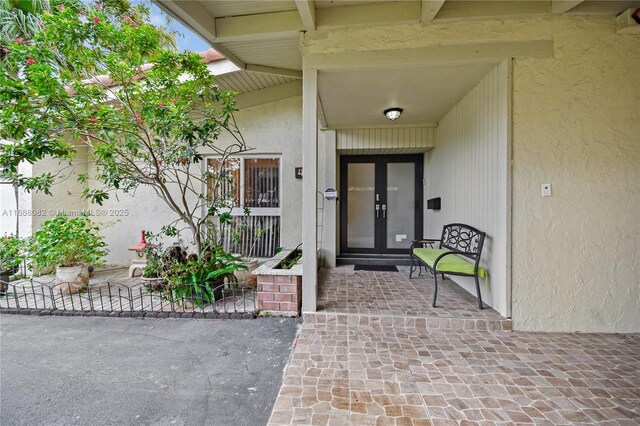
[(546, 189)]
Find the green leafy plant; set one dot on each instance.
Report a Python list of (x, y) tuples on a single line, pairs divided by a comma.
[(290, 261), (22, 19), (100, 77), (12, 252), (198, 279), (64, 241), (151, 269), (292, 258), (152, 252), (241, 232)]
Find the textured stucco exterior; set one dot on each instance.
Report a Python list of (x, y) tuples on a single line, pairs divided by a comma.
[(272, 128), (576, 125), (575, 257), (66, 197), (12, 219)]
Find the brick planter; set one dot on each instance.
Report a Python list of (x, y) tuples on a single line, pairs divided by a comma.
[(280, 295), (279, 290)]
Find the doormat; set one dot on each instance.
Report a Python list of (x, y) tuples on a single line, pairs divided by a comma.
[(378, 268)]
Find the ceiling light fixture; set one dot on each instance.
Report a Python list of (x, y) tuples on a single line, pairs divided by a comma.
[(393, 113)]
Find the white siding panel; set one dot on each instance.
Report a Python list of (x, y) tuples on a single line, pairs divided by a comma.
[(249, 81), (469, 170), (390, 140)]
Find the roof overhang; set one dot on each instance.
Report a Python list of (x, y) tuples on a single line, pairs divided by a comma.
[(274, 37), (254, 33)]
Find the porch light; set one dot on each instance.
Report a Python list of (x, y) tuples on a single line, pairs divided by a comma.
[(392, 113)]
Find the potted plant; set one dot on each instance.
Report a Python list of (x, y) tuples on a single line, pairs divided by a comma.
[(200, 279), (244, 276), (151, 271), (11, 254), (69, 246)]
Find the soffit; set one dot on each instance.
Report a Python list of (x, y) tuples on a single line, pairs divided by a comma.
[(249, 81), (220, 9), (280, 53)]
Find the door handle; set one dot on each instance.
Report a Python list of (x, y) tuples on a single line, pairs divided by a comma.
[(377, 211), (384, 211)]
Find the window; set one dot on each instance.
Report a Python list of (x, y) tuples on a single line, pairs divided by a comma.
[(253, 183)]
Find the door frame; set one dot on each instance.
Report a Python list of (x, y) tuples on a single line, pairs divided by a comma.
[(380, 230)]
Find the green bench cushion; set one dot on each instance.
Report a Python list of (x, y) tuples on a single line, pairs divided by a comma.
[(451, 263)]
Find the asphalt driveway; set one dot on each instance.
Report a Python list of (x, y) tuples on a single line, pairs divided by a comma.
[(108, 371)]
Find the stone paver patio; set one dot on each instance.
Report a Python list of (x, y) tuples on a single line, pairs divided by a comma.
[(376, 353), (346, 372), (392, 294)]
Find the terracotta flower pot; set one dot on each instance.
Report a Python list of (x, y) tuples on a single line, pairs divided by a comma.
[(72, 279), (153, 283), (244, 277), (4, 280)]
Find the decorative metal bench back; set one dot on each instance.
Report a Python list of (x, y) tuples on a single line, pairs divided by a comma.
[(463, 238)]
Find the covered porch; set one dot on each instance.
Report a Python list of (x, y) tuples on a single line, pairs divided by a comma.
[(395, 297), (451, 144), (507, 100)]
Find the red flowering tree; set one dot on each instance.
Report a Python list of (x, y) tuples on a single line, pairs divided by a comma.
[(103, 76)]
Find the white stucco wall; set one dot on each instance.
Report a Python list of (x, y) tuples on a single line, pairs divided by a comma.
[(15, 214), (66, 196), (468, 169), (576, 125), (276, 128), (272, 128)]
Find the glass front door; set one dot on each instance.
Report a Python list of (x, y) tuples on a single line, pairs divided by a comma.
[(381, 203)]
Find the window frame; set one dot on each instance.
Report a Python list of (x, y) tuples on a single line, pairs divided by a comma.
[(253, 211)]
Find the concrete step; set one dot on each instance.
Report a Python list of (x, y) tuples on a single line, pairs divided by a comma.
[(420, 323)]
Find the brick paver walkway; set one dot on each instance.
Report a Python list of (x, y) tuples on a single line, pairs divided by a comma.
[(378, 354), (392, 293), (343, 373)]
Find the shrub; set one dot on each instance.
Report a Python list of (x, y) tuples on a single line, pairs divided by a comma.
[(66, 242), (12, 251)]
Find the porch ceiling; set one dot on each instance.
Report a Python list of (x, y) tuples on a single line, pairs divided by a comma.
[(357, 98), (265, 33)]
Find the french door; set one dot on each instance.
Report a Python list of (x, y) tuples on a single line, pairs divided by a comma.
[(381, 203)]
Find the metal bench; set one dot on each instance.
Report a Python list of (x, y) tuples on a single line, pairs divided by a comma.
[(458, 253)]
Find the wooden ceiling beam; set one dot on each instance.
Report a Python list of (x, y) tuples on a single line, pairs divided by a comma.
[(489, 52), (285, 72), (430, 9), (269, 94), (263, 26), (193, 14), (563, 6), (307, 11)]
